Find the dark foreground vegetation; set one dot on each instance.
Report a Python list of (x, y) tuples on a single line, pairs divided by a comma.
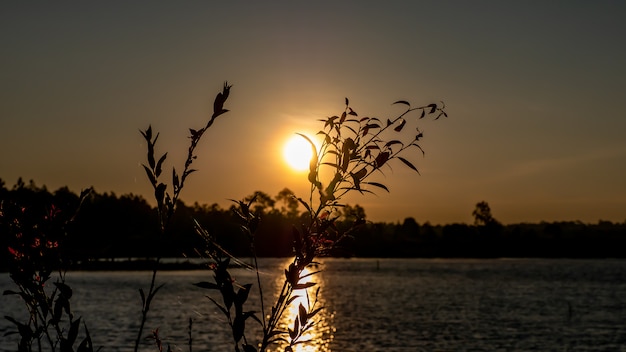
[(110, 226)]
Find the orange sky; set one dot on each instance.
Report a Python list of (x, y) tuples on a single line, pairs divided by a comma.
[(534, 91)]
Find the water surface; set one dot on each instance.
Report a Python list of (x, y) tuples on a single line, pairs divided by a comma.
[(376, 305)]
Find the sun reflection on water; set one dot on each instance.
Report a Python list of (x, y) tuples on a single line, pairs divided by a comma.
[(319, 336)]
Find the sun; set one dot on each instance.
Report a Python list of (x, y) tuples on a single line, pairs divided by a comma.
[(297, 153)]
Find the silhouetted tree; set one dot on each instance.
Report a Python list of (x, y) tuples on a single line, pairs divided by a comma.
[(482, 214)]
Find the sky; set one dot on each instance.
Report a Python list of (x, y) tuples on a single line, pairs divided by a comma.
[(534, 92)]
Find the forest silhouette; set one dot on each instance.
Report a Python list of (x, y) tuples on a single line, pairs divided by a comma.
[(122, 227)]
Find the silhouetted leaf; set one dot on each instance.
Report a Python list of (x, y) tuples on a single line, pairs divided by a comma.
[(402, 102), (399, 127), (159, 165), (347, 102), (433, 108), (242, 295), (314, 312), (394, 142), (381, 159), (351, 129), (150, 175), (207, 285), (302, 313), (304, 285), (291, 299), (23, 329), (239, 325), (220, 99), (360, 174), (64, 289), (408, 163), (248, 348), (420, 148), (310, 274), (379, 185), (218, 306), (352, 112), (304, 203), (143, 297), (175, 180), (86, 345), (159, 192), (296, 329), (73, 332), (423, 114), (148, 133)]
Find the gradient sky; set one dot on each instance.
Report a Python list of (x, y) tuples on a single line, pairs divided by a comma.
[(534, 91)]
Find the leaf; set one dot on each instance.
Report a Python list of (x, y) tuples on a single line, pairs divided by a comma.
[(207, 285), (148, 133), (352, 112), (399, 127), (242, 295), (159, 164), (86, 345), (402, 102), (395, 141), (175, 180), (347, 102), (420, 148), (302, 314), (314, 312), (143, 297), (23, 329), (356, 178), (73, 333), (310, 274), (381, 159), (304, 285), (305, 204), (249, 348), (423, 114), (408, 163), (219, 306), (296, 329), (379, 185), (433, 108), (159, 192), (64, 289), (150, 175), (294, 297), (239, 325)]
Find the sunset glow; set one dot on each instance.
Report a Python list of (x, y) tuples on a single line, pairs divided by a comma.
[(78, 83), (297, 153)]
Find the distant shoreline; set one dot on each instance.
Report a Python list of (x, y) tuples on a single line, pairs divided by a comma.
[(186, 264)]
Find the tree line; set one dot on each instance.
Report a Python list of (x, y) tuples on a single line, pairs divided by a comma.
[(109, 226)]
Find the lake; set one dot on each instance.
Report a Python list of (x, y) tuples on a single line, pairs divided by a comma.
[(375, 305)]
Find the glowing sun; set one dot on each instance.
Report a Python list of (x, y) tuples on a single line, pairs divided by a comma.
[(297, 153)]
